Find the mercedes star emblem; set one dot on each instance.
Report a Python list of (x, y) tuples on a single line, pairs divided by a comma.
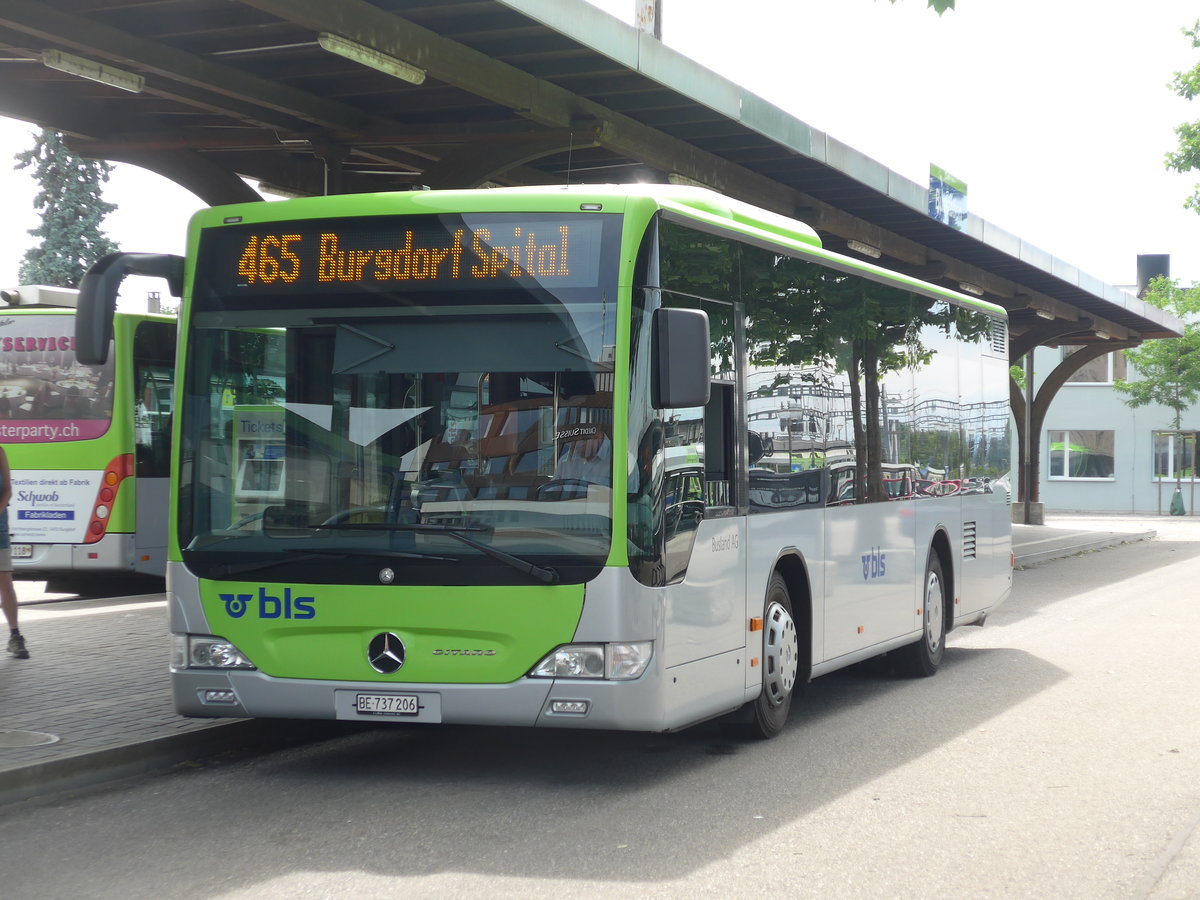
[(386, 653)]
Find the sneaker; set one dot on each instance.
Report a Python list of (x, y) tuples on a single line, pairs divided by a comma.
[(16, 646)]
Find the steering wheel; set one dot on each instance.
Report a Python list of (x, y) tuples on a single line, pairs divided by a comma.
[(563, 489)]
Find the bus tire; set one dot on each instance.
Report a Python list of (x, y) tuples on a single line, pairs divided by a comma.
[(923, 658), (780, 662)]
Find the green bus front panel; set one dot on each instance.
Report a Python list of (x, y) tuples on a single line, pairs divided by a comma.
[(452, 635)]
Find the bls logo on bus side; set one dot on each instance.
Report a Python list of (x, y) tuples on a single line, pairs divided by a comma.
[(874, 564), (269, 606)]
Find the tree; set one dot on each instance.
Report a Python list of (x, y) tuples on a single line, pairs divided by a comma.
[(940, 5), (1187, 157), (1169, 368), (72, 210)]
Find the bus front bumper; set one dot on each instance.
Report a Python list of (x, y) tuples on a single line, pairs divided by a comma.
[(629, 706)]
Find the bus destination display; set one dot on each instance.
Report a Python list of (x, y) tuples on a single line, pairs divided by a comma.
[(553, 251)]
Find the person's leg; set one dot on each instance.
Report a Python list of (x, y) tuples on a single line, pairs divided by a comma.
[(8, 599), (8, 602), (8, 593)]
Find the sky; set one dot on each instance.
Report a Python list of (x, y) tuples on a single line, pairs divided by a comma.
[(1056, 113)]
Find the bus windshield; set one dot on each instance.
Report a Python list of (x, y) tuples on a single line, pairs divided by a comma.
[(448, 435)]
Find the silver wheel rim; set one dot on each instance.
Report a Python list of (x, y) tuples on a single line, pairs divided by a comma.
[(781, 652), (933, 611)]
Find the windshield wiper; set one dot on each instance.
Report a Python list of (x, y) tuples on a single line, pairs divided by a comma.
[(295, 556), (541, 573)]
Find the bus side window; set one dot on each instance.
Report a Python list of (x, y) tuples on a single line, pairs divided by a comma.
[(154, 379), (718, 445)]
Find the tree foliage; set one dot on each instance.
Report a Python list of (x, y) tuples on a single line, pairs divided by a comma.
[(1187, 157), (1169, 368), (940, 5), (1017, 374), (72, 211)]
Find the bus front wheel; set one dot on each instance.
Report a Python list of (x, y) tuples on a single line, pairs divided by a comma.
[(922, 659), (780, 661)]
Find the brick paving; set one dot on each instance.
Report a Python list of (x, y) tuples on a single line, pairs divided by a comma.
[(97, 679)]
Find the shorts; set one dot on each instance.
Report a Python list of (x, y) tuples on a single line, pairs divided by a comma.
[(6, 559)]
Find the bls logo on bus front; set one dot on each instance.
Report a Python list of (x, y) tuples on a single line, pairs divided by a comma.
[(269, 606), (874, 564)]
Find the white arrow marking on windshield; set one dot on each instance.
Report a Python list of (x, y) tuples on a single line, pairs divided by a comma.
[(320, 414), (367, 425)]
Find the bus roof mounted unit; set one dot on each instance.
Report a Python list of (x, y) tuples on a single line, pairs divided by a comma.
[(40, 295)]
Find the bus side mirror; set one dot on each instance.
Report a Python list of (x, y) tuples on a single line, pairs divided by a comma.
[(681, 355), (757, 446), (98, 297)]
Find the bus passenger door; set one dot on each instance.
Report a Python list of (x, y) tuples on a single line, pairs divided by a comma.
[(705, 537), (154, 380)]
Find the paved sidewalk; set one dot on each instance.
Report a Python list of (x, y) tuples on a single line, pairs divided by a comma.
[(1066, 535), (93, 703)]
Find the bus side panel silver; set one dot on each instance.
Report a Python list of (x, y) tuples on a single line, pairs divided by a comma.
[(705, 614), (186, 615), (987, 555), (705, 688), (113, 552), (153, 513), (662, 700), (772, 535), (871, 584), (840, 662), (933, 515), (616, 607)]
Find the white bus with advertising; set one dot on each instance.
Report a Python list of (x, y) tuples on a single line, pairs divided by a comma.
[(89, 446)]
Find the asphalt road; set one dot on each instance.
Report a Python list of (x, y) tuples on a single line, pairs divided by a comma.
[(1056, 755)]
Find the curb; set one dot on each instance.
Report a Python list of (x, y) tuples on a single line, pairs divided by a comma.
[(90, 768), (1086, 541)]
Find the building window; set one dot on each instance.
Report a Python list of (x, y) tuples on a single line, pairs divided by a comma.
[(1103, 370), (1175, 455), (1081, 454)]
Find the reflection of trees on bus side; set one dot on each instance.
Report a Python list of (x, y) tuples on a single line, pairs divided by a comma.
[(850, 361)]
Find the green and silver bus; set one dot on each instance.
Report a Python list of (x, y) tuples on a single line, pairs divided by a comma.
[(88, 445), (493, 457)]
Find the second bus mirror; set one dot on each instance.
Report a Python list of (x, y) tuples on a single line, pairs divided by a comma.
[(757, 446), (681, 352)]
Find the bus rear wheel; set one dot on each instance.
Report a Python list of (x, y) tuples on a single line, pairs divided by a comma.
[(922, 659), (780, 662)]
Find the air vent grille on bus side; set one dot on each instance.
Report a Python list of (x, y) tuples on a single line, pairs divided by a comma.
[(969, 545), (999, 337)]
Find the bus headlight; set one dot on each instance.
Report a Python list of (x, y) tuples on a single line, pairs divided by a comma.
[(191, 651), (624, 662), (611, 662)]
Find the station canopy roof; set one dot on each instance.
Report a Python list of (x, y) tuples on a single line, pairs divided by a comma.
[(315, 96)]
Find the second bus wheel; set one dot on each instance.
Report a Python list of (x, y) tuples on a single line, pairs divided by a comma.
[(922, 659), (780, 661)]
